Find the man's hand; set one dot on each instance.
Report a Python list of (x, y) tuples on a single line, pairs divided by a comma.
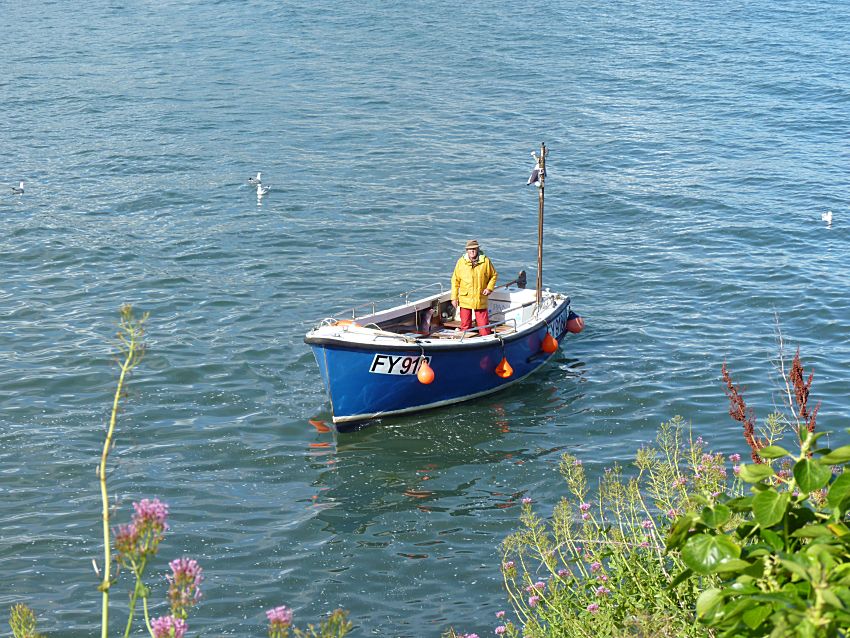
[(486, 292), (454, 302)]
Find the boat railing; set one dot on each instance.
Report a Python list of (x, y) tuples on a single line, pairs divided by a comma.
[(374, 305)]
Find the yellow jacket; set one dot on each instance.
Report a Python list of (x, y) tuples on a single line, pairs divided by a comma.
[(469, 281)]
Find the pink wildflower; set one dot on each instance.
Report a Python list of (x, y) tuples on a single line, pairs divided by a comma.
[(168, 627), (533, 600), (735, 458), (563, 572), (141, 538), (595, 567), (602, 591), (184, 589), (500, 630), (593, 608), (500, 614), (584, 507), (280, 618), (585, 516), (647, 524), (526, 501)]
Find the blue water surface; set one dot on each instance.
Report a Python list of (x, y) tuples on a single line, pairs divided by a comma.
[(694, 147)]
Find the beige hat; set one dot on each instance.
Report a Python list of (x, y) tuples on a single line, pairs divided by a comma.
[(471, 244)]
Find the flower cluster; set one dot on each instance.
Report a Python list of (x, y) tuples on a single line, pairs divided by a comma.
[(280, 618), (141, 538), (168, 627), (184, 588)]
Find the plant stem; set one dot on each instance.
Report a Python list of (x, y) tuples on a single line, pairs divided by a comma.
[(134, 332)]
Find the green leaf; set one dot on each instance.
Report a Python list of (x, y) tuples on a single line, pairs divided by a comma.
[(755, 472), (811, 475), (702, 552), (708, 601), (755, 616), (773, 539), (839, 490), (715, 516), (773, 452), (680, 531), (769, 507), (795, 568), (740, 504), (732, 565), (830, 598), (836, 457), (812, 531), (681, 578)]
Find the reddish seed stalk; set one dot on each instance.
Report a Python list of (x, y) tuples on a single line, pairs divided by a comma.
[(739, 411), (801, 393)]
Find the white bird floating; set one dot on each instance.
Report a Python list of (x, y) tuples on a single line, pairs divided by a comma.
[(19, 189), (827, 217), (253, 181), (262, 190)]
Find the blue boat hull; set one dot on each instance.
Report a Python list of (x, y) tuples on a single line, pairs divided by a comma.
[(363, 382)]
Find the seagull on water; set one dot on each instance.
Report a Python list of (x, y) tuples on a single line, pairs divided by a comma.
[(262, 190), (253, 181), (19, 189), (827, 216)]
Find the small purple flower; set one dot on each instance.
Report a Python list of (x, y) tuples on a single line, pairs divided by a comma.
[(168, 627), (563, 572), (585, 516), (672, 513), (576, 462), (699, 441), (146, 530), (539, 585), (500, 614), (508, 565), (184, 589), (602, 591), (593, 608), (736, 469), (735, 458), (526, 501), (533, 600), (645, 545), (500, 630), (584, 507), (647, 524), (281, 616), (153, 511), (595, 567), (680, 482), (603, 578)]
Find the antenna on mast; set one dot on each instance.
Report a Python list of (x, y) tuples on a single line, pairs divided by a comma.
[(538, 176)]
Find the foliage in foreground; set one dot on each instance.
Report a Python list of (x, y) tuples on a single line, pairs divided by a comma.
[(598, 567), (782, 552), (137, 542)]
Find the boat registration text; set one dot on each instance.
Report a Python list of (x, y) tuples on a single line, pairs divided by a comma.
[(401, 364)]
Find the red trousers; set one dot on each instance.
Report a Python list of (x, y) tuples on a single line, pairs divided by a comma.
[(482, 318)]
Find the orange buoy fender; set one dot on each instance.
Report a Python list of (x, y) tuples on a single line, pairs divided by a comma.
[(425, 374), (504, 368), (550, 344), (575, 323)]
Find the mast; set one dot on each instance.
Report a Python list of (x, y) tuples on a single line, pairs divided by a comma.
[(541, 177)]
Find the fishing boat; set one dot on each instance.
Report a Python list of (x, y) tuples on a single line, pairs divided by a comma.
[(388, 358)]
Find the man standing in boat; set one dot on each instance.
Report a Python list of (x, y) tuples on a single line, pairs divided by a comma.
[(473, 280)]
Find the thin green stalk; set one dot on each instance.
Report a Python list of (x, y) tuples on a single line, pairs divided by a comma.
[(130, 335)]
